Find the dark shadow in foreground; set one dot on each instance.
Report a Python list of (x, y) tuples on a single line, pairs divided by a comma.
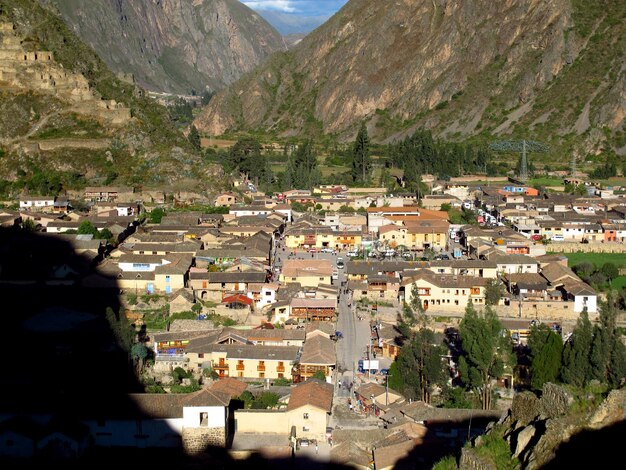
[(66, 374)]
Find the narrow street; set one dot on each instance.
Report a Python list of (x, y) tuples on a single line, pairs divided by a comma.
[(355, 340)]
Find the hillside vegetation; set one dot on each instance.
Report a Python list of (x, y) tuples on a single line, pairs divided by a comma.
[(81, 147)]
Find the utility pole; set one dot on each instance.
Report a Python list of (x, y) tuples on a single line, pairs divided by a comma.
[(522, 146)]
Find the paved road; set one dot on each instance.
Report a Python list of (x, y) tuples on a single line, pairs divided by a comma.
[(356, 334)]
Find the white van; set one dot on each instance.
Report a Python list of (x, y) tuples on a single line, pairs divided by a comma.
[(557, 238)]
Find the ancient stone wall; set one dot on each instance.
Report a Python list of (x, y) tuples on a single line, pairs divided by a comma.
[(196, 440), (37, 70)]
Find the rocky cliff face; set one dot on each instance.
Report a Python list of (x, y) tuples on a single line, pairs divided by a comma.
[(174, 45), (552, 432), (532, 67)]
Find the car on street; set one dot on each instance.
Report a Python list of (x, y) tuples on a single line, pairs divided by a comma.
[(312, 250), (335, 275), (352, 254), (340, 263), (327, 250), (305, 443)]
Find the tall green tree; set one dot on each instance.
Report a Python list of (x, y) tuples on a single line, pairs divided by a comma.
[(607, 358), (484, 351), (493, 292), (194, 137), (576, 369), (361, 161), (420, 366), (302, 170), (546, 350)]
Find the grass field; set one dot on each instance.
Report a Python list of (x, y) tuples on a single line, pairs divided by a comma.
[(546, 181), (598, 259)]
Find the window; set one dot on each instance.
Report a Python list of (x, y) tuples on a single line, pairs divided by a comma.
[(305, 415), (239, 374), (321, 278), (167, 279), (261, 375), (281, 375), (201, 355)]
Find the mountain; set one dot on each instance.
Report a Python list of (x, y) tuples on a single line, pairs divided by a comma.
[(550, 71), (289, 23), (66, 120), (175, 46)]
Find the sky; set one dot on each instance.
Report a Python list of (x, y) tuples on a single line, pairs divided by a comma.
[(304, 8)]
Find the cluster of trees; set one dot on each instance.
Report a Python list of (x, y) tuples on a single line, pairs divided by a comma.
[(87, 228), (246, 157), (593, 352), (302, 171), (264, 401), (484, 352), (598, 277), (420, 154)]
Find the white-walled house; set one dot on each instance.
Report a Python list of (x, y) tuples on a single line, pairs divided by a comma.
[(36, 202)]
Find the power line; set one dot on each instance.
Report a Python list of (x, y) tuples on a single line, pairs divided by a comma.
[(520, 146)]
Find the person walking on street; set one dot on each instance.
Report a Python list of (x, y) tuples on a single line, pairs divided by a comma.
[(316, 448)]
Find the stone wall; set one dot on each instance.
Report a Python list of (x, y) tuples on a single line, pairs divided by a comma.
[(38, 71), (591, 247), (90, 144), (196, 440)]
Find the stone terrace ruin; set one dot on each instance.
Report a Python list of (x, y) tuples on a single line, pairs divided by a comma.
[(22, 69)]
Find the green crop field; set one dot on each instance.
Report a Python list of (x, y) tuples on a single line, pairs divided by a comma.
[(546, 181), (598, 259)]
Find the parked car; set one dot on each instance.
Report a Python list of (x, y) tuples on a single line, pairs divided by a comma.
[(335, 275), (327, 250), (305, 443), (352, 254)]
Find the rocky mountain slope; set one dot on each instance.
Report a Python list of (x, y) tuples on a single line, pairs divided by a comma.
[(175, 46), (67, 121), (549, 70), (554, 431)]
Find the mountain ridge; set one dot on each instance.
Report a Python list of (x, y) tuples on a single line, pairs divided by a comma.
[(442, 65), (174, 46)]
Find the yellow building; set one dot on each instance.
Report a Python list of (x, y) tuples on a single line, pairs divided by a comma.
[(444, 291), (309, 273), (243, 361), (415, 234)]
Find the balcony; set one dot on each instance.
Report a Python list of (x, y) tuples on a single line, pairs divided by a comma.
[(240, 367), (171, 357), (220, 366), (260, 368), (280, 369)]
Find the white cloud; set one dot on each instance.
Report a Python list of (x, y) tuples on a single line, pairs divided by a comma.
[(280, 5)]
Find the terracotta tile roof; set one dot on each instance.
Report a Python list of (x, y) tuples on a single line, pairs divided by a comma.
[(237, 298), (313, 392), (388, 456), (229, 386), (323, 326), (319, 350), (166, 405), (313, 267)]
